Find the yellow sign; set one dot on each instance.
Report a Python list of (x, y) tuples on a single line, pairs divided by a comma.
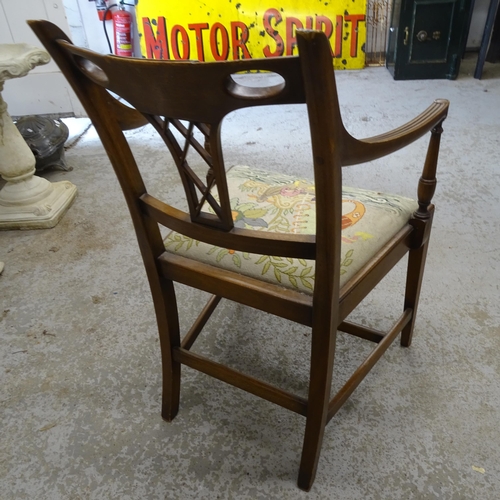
[(238, 29)]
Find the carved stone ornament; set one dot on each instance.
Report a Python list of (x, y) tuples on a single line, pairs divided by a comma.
[(26, 201), (18, 59)]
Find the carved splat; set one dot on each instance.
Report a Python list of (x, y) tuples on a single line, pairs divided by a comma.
[(199, 193)]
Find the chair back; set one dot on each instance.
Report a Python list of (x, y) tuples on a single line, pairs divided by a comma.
[(189, 96)]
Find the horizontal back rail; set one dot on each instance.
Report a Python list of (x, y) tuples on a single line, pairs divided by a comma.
[(247, 240), (252, 292)]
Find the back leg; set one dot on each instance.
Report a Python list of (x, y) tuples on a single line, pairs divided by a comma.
[(168, 328)]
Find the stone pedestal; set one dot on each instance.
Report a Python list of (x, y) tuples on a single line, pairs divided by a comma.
[(26, 201)]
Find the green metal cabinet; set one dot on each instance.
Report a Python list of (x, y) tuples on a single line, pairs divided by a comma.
[(427, 38)]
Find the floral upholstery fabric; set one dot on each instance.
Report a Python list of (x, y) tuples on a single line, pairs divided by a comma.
[(265, 201)]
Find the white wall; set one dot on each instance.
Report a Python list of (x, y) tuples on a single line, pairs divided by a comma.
[(44, 90)]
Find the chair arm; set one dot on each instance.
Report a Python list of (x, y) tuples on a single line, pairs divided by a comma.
[(359, 151)]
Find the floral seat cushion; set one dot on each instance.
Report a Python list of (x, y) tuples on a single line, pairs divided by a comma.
[(265, 201)]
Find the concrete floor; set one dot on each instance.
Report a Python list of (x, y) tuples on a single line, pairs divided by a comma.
[(80, 361)]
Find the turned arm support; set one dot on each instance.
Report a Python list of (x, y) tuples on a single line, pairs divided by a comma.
[(356, 151), (422, 217), (427, 182)]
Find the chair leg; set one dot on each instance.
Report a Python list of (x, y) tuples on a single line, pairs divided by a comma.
[(416, 265), (168, 328), (322, 356)]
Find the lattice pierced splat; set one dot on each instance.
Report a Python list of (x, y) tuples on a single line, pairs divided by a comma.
[(198, 192)]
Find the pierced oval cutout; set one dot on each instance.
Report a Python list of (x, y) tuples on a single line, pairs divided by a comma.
[(94, 72), (255, 85)]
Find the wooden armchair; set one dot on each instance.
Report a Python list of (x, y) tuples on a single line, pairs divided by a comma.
[(335, 243)]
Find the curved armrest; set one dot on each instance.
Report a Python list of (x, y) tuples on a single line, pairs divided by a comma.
[(359, 151)]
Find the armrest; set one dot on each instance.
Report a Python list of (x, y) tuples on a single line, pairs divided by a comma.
[(359, 151)]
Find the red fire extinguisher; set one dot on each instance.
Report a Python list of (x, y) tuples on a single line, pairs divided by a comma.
[(122, 26)]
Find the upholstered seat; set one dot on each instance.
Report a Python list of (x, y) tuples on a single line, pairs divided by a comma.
[(265, 201)]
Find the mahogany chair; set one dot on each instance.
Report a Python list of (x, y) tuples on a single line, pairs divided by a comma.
[(313, 266)]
